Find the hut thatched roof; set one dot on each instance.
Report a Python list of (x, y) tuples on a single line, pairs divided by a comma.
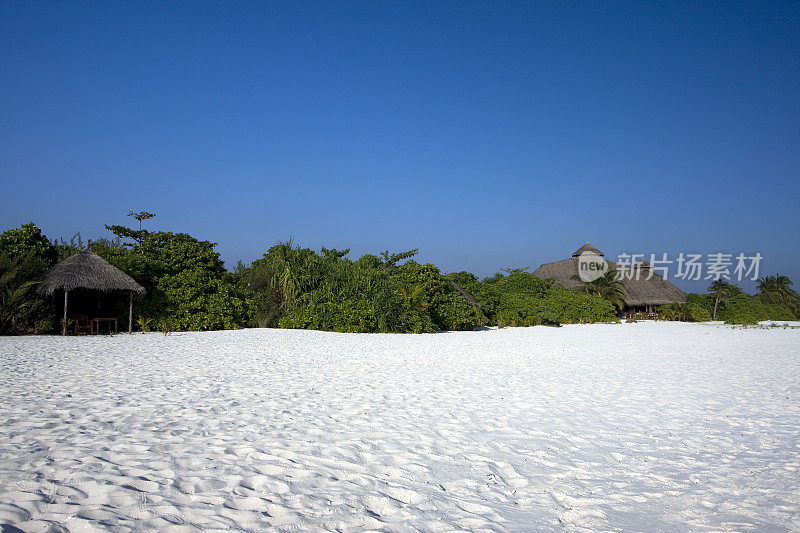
[(587, 248), (86, 270), (638, 292)]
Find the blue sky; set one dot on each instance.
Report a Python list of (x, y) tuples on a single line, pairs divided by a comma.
[(485, 134)]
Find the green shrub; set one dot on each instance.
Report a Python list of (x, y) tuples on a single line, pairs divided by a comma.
[(187, 285), (698, 313), (144, 323), (448, 309), (704, 301), (691, 311), (28, 240), (299, 288), (778, 312), (744, 309), (195, 300), (520, 299), (789, 301), (579, 308), (24, 256), (522, 310)]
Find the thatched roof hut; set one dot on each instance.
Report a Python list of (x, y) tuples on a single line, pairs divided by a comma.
[(641, 292), (88, 271), (587, 248)]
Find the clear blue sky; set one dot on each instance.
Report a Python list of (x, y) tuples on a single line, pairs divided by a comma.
[(486, 134)]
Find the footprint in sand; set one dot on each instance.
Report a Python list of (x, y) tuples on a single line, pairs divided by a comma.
[(474, 508), (36, 526), (274, 510), (406, 496), (270, 470), (250, 503), (254, 482), (379, 506), (142, 485), (508, 475)]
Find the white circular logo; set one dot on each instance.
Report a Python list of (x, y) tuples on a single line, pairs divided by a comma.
[(591, 266)]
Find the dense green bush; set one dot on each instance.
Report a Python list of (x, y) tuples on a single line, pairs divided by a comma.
[(25, 253), (297, 287), (788, 301), (693, 310), (187, 285), (703, 301), (520, 299), (738, 309), (28, 240), (579, 308), (188, 288), (744, 309), (21, 311), (521, 310), (485, 293), (448, 309)]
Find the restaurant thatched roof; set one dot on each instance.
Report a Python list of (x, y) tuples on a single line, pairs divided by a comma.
[(639, 291), (587, 248), (86, 270)]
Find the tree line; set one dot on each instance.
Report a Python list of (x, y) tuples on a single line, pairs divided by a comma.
[(189, 288)]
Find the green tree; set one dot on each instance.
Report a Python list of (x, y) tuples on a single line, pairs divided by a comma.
[(124, 232), (776, 291), (20, 310), (776, 283), (722, 292), (25, 253), (187, 284), (140, 216), (28, 239), (607, 287)]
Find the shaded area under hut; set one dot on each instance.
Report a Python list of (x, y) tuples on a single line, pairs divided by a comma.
[(92, 290)]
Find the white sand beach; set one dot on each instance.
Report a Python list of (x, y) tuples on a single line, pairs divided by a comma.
[(642, 426)]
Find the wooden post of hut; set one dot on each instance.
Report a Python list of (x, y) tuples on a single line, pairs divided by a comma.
[(64, 322), (130, 313)]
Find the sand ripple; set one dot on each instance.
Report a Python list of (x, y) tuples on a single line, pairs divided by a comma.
[(626, 427)]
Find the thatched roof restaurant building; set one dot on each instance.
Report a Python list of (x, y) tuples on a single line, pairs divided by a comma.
[(641, 294), (86, 271)]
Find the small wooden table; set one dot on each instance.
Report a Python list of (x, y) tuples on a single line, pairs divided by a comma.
[(96, 324)]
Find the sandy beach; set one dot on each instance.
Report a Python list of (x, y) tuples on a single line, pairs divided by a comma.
[(642, 426)]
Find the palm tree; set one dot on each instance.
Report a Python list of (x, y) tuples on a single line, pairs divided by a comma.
[(14, 302), (289, 267), (607, 287), (777, 284), (415, 296), (17, 278), (777, 290), (723, 292), (675, 312)]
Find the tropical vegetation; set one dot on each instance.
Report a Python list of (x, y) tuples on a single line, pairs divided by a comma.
[(189, 288), (727, 302)]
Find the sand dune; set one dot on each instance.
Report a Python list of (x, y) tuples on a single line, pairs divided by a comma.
[(648, 426)]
